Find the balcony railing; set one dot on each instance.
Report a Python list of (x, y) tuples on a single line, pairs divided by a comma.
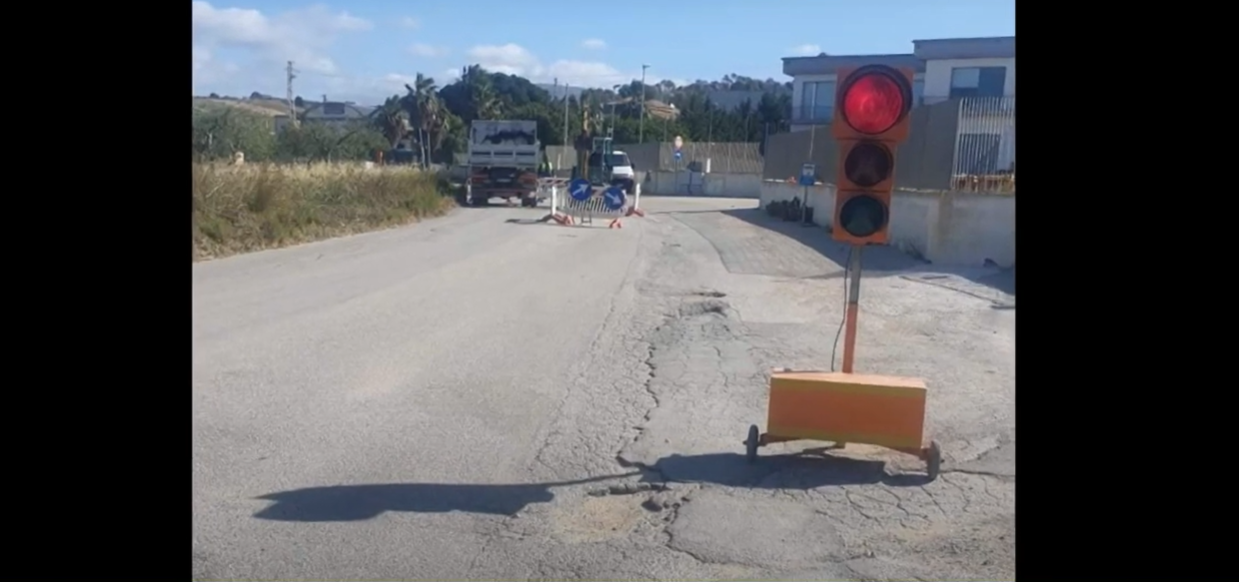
[(979, 105)]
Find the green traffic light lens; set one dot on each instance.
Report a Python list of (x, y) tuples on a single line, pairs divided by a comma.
[(862, 216), (867, 164)]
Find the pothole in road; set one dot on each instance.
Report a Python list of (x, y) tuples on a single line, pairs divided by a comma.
[(706, 307), (597, 519)]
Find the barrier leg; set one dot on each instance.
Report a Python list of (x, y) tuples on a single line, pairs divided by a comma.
[(635, 209)]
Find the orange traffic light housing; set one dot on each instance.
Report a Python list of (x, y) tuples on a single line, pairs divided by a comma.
[(870, 121)]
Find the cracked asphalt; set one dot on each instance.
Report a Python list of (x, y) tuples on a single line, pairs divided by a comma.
[(478, 397)]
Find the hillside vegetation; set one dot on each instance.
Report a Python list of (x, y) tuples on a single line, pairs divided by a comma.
[(434, 119)]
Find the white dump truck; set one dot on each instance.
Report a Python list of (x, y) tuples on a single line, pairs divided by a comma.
[(503, 162)]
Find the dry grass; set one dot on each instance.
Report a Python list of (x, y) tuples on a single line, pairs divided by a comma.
[(257, 206), (259, 106)]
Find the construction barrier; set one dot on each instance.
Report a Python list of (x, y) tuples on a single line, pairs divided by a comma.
[(567, 210)]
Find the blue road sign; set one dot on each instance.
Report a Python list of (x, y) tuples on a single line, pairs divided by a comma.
[(808, 175), (580, 190), (613, 198), (678, 155)]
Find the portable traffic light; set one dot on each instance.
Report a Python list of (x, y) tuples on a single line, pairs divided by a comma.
[(871, 120)]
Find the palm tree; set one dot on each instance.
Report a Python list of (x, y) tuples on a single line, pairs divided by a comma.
[(392, 120), (484, 101), (422, 103)]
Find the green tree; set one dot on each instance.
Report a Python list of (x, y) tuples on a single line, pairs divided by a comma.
[(392, 121), (314, 142), (441, 116), (222, 131), (426, 112)]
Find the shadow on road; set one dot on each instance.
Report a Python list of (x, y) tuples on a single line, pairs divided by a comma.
[(362, 502), (544, 220), (807, 469), (878, 260)]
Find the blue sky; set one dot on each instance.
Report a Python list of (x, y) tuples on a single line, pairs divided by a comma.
[(365, 49)]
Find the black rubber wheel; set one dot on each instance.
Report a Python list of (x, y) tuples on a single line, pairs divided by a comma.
[(933, 462), (751, 444)]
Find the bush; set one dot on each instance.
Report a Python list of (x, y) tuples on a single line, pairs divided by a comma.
[(257, 206)]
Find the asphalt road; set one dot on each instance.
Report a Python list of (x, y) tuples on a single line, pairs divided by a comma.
[(478, 397)]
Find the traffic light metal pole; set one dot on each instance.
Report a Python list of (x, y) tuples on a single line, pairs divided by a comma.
[(853, 308)]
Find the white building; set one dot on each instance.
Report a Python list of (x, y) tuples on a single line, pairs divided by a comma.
[(944, 69)]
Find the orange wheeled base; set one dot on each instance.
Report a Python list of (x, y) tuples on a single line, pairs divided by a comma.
[(838, 407)]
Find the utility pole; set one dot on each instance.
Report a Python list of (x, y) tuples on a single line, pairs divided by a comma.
[(641, 131), (292, 108), (565, 114), (559, 153)]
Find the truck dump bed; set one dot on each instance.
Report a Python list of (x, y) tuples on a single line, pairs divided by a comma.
[(504, 144)]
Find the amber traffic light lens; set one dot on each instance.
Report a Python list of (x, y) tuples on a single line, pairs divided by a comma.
[(874, 101), (862, 216), (867, 164)]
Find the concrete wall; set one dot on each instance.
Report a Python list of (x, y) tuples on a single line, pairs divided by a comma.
[(948, 228), (728, 158), (686, 183)]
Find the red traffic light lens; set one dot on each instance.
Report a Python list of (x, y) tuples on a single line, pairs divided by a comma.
[(874, 102), (867, 164), (862, 216)]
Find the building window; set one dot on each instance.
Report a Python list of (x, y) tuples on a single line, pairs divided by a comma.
[(978, 81), (817, 100)]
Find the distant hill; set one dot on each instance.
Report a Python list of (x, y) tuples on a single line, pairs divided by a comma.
[(264, 106), (558, 91)]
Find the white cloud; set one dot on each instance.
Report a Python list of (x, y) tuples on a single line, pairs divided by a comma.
[(514, 59), (509, 58), (410, 22), (302, 36), (807, 50), (202, 58), (594, 44), (425, 50), (398, 80)]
